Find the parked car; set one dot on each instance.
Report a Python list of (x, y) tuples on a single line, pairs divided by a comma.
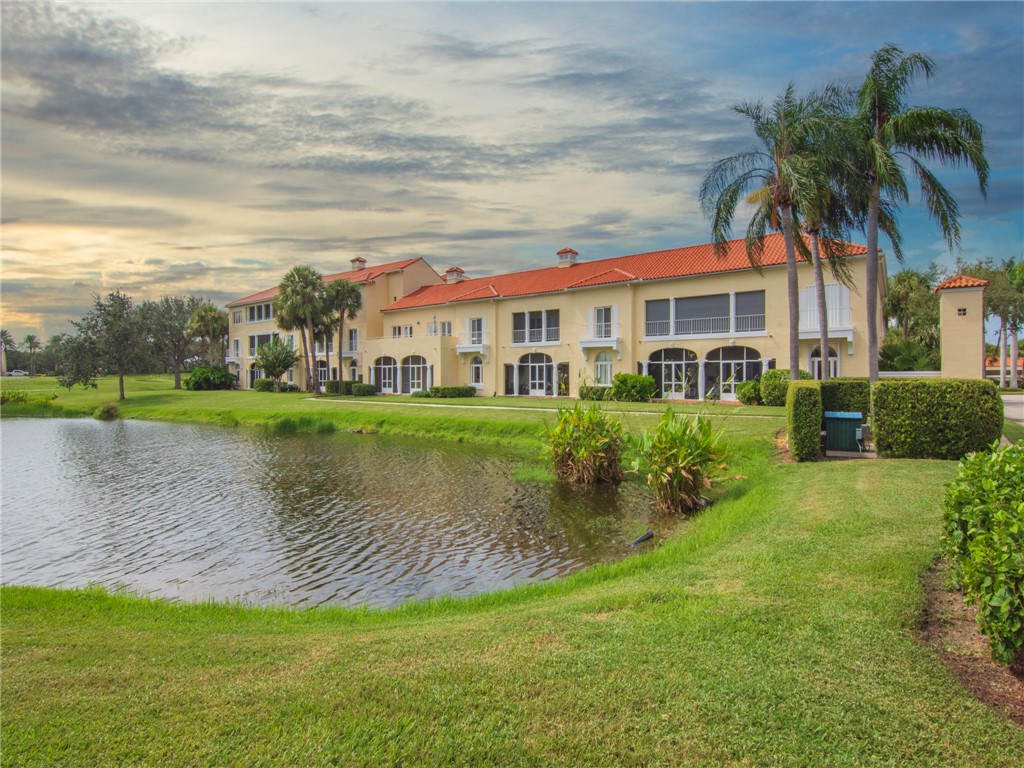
[(17, 372)]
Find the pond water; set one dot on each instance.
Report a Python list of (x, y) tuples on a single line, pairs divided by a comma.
[(190, 513)]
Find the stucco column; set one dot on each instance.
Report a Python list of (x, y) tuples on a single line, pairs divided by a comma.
[(647, 368), (515, 379), (700, 380), (765, 362), (430, 376), (732, 311)]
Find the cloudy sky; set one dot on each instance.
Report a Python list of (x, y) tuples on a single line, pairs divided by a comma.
[(169, 148)]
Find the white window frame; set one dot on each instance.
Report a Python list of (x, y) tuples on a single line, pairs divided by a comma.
[(603, 369), (446, 327), (476, 372)]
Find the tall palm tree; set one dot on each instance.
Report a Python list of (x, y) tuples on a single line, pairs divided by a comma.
[(345, 300), (32, 345), (774, 176), (891, 134), (210, 325), (8, 344), (301, 302)]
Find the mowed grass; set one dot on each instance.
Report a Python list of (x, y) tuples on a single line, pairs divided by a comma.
[(779, 627)]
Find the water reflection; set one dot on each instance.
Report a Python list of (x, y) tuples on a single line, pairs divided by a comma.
[(190, 513)]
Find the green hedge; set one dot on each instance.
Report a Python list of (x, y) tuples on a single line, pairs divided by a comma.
[(935, 418), (345, 387), (332, 387), (803, 419), (774, 384), (749, 392), (592, 392), (460, 391), (363, 390), (206, 377), (847, 394), (263, 385), (632, 388), (984, 534)]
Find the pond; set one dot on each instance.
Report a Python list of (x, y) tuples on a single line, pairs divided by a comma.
[(191, 513)]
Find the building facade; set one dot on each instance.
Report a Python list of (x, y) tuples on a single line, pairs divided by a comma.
[(698, 323)]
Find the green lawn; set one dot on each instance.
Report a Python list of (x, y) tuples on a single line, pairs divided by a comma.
[(780, 627)]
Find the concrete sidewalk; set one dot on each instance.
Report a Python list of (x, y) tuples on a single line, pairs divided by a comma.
[(1013, 407)]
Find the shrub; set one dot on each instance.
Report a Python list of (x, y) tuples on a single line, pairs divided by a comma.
[(935, 418), (208, 377), (803, 419), (263, 385), (984, 534), (749, 392), (847, 394), (332, 387), (585, 445), (363, 390), (632, 388), (461, 391), (105, 412), (286, 387), (344, 387), (774, 384), (592, 392), (681, 459), (421, 393)]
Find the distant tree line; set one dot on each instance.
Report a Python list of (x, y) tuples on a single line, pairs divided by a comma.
[(119, 337)]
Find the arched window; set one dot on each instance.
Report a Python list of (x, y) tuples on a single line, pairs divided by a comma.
[(321, 371), (254, 373), (675, 373), (603, 369), (385, 374), (725, 368), (536, 375), (414, 374), (353, 370), (476, 372), (833, 363)]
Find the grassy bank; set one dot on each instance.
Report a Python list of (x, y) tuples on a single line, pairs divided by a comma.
[(780, 629), (515, 423)]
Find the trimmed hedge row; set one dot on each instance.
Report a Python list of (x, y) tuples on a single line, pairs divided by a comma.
[(632, 388), (984, 534), (336, 387), (749, 392), (847, 394), (803, 419), (935, 418), (363, 390), (593, 392), (459, 391), (774, 385)]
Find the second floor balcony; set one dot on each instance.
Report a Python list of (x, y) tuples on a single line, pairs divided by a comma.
[(705, 326), (536, 335)]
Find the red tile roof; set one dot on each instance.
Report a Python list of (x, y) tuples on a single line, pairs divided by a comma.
[(365, 275), (961, 281), (657, 265), (993, 362)]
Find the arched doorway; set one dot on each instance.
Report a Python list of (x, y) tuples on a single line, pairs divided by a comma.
[(725, 368), (385, 374), (254, 374), (676, 372), (414, 374), (833, 363), (537, 372), (321, 372)]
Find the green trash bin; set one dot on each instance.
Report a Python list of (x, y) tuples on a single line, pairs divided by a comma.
[(841, 428)]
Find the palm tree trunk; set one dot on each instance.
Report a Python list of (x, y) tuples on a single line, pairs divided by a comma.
[(871, 280), (819, 287), (793, 288), (327, 352), (341, 346), (305, 355), (316, 371), (1014, 354), (1001, 351)]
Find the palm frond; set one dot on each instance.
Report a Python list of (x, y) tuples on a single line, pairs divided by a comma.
[(940, 203)]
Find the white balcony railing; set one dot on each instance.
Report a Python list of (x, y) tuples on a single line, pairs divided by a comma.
[(535, 335), (838, 317), (607, 330), (472, 339), (749, 323), (658, 328), (702, 325), (705, 326)]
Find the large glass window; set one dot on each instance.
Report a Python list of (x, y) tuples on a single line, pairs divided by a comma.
[(414, 374), (476, 330), (602, 323), (727, 367), (353, 339), (833, 363), (536, 326), (603, 370), (385, 374), (750, 311), (658, 320), (675, 372), (476, 371), (702, 314)]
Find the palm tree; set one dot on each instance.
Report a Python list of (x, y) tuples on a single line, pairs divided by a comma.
[(345, 300), (210, 325), (8, 344), (775, 176), (890, 133), (300, 304), (32, 345)]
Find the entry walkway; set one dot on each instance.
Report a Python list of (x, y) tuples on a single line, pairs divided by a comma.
[(1013, 407)]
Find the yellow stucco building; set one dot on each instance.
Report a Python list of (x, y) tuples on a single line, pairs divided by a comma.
[(698, 323)]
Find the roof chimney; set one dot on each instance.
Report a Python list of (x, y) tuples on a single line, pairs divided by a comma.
[(358, 263), (454, 275), (567, 257)]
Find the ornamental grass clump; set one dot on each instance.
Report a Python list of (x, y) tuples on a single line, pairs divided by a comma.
[(586, 446), (681, 459), (984, 534)]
